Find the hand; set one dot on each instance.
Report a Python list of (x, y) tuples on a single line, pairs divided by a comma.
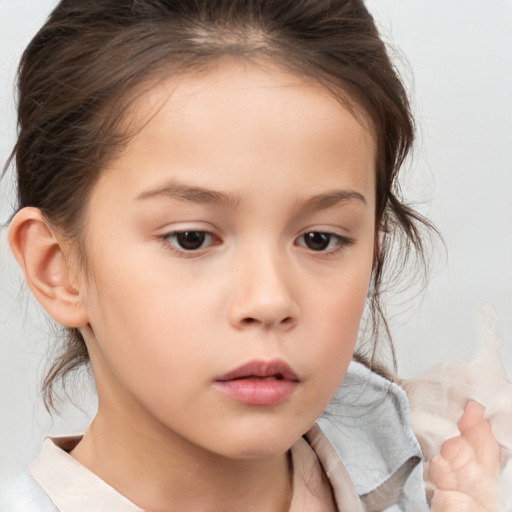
[(467, 470)]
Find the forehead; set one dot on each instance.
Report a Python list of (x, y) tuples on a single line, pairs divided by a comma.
[(240, 83), (237, 117)]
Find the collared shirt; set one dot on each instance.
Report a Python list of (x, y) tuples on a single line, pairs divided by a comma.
[(320, 482), (366, 431)]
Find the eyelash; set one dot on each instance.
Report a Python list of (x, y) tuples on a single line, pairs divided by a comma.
[(341, 242), (170, 241)]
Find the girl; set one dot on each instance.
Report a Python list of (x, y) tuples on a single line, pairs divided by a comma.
[(207, 197)]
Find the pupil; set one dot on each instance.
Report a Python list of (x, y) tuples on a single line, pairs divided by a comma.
[(191, 240), (317, 241)]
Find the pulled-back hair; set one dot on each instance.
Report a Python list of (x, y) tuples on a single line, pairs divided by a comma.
[(89, 61)]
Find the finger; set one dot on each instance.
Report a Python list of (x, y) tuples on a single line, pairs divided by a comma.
[(458, 452), (457, 472), (486, 448), (456, 467), (473, 414), (441, 474)]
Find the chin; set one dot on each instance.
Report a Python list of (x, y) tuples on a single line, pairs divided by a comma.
[(262, 442), (263, 451)]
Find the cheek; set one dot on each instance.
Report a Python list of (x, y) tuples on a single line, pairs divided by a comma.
[(336, 316), (352, 297), (153, 322)]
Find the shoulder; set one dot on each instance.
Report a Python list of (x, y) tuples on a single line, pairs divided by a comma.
[(368, 424), (23, 494)]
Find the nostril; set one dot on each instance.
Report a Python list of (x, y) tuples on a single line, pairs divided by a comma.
[(249, 321)]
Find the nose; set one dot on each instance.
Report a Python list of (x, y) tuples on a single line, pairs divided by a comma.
[(263, 293)]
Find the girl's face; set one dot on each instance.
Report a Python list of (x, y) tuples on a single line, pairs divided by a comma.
[(230, 249)]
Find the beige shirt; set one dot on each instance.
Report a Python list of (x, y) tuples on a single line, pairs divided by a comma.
[(320, 482)]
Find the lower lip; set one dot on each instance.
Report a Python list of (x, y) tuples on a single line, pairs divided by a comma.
[(257, 391)]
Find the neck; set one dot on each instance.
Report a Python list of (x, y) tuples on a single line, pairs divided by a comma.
[(168, 474), (159, 470)]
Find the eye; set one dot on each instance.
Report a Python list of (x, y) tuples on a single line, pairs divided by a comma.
[(192, 240), (322, 242)]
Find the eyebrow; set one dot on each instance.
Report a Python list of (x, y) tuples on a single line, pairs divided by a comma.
[(330, 199), (193, 194), (202, 195)]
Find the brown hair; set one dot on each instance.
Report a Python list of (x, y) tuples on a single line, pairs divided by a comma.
[(80, 72)]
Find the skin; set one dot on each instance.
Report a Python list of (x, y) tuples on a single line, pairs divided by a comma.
[(466, 472), (278, 157)]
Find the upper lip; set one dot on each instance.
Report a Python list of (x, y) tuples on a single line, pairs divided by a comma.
[(274, 368)]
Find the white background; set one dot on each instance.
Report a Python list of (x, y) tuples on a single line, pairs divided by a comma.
[(460, 54)]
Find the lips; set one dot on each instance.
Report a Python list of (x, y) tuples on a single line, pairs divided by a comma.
[(259, 382), (262, 369)]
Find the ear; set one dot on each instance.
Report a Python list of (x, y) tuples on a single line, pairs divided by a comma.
[(43, 260)]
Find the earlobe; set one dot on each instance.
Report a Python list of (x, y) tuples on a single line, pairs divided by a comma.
[(46, 268)]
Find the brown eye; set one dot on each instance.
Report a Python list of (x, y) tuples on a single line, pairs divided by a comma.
[(190, 240), (317, 241), (323, 242)]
